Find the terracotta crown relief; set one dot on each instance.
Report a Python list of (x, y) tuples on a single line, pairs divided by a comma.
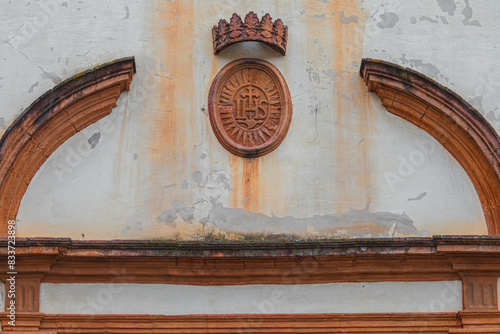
[(250, 107), (274, 34)]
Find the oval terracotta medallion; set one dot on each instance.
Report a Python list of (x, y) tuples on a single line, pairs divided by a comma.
[(250, 107)]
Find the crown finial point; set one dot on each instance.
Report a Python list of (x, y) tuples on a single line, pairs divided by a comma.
[(266, 31)]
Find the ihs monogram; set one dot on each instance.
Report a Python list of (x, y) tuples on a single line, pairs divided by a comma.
[(250, 107)]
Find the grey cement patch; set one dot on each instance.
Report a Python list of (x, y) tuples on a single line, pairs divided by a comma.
[(177, 208), (138, 226), (447, 6), (32, 87), (413, 20), (322, 16), (418, 198), (94, 140), (347, 20), (184, 185), (223, 180), (467, 13), (428, 19), (389, 20), (426, 68), (126, 230), (197, 178), (135, 156), (2, 123), (353, 223)]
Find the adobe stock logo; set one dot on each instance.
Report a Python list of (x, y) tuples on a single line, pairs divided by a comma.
[(409, 164), (45, 11)]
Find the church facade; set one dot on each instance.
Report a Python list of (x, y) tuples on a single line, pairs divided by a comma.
[(322, 166)]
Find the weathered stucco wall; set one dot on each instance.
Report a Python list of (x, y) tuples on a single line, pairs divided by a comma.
[(154, 169)]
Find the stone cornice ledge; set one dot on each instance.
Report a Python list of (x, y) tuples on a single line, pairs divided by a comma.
[(279, 247)]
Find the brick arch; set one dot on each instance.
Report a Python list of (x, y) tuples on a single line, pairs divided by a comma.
[(52, 119), (453, 122)]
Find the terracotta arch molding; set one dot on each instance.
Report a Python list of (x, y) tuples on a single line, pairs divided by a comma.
[(52, 119), (453, 122)]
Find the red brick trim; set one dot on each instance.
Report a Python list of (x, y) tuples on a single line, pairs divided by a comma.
[(447, 117), (50, 121)]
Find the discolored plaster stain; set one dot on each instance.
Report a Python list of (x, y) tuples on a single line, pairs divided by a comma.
[(322, 16), (493, 115), (413, 20), (64, 4), (170, 186), (224, 181), (184, 185), (418, 198), (52, 76), (94, 140), (138, 226), (126, 230), (2, 123), (32, 87), (127, 13), (467, 13), (347, 20), (444, 20), (135, 156), (246, 199), (447, 6), (389, 20), (426, 68), (176, 208), (203, 156), (352, 223), (302, 12), (323, 1), (197, 178), (428, 19)]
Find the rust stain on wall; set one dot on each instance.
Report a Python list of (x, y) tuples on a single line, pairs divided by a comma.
[(353, 135), (171, 117)]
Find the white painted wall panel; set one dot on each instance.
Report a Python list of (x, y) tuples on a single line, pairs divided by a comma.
[(162, 299)]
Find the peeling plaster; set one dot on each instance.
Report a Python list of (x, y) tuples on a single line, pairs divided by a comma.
[(426, 68), (467, 13), (447, 6), (32, 87), (418, 198), (352, 223), (389, 20), (94, 140), (428, 19), (347, 20)]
